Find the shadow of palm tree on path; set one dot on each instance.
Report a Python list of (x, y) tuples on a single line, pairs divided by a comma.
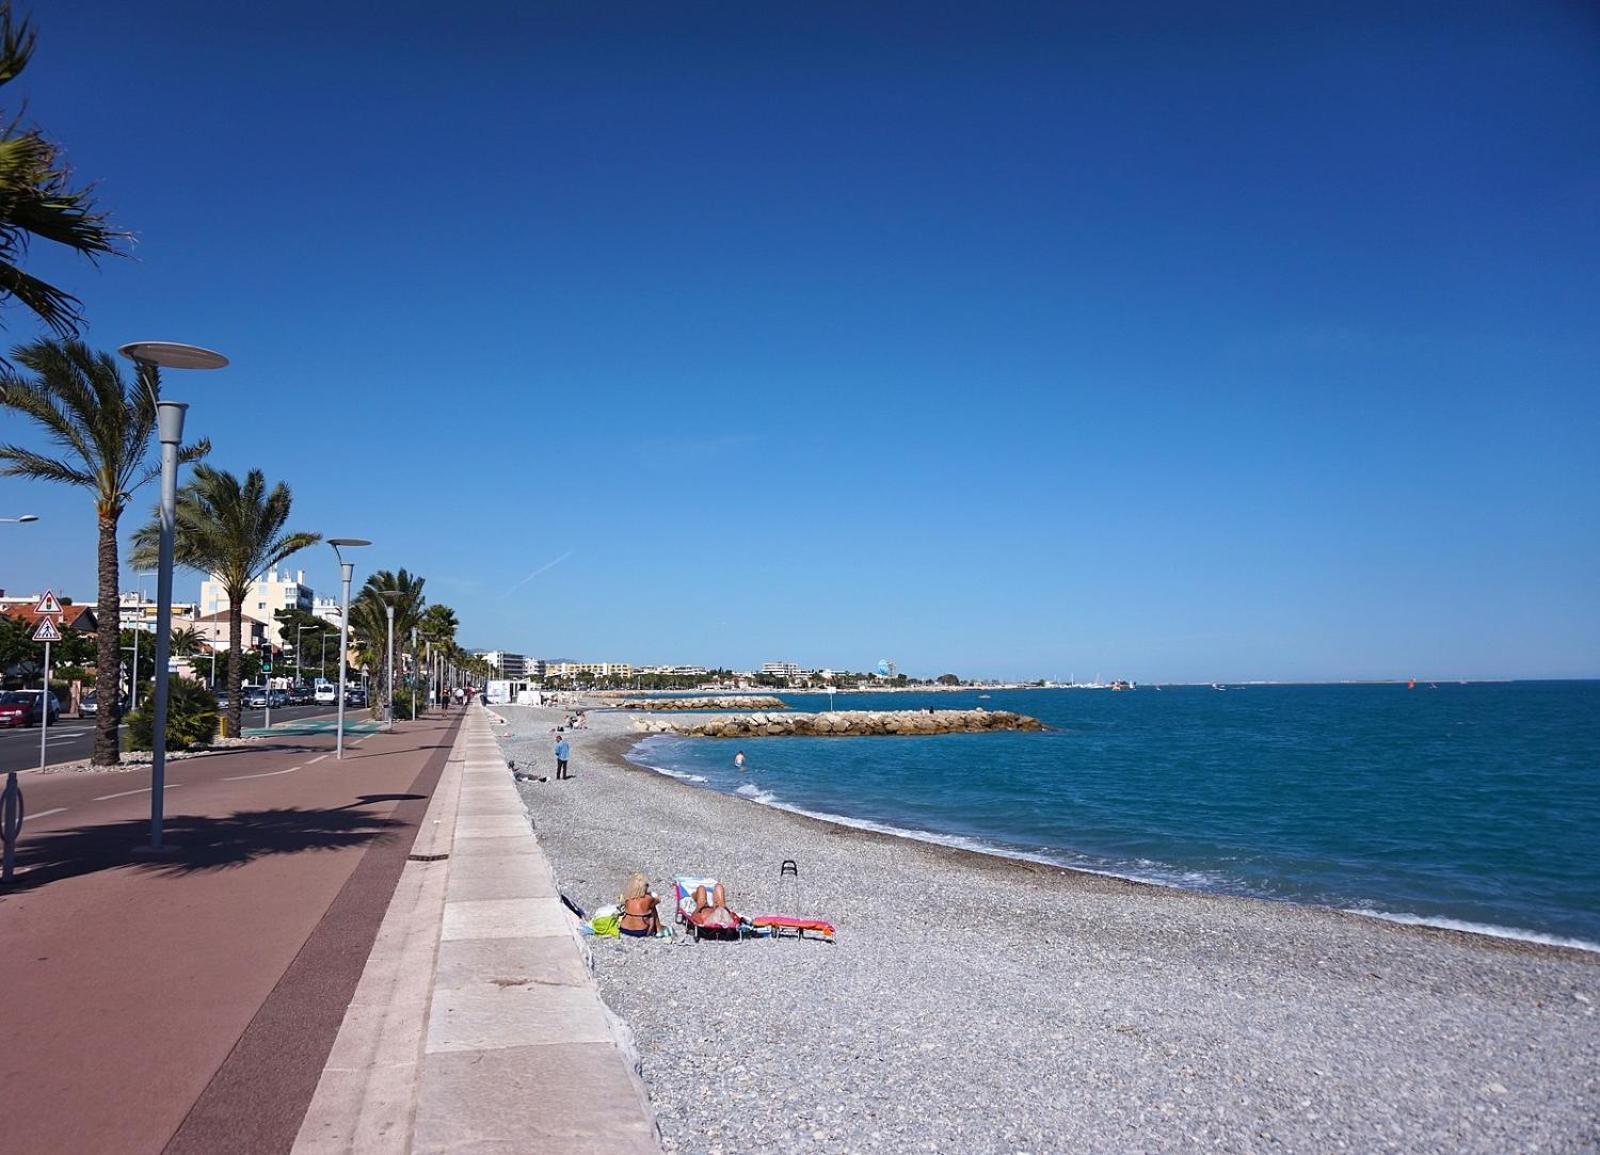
[(199, 843)]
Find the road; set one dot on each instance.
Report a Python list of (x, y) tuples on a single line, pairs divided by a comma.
[(73, 738)]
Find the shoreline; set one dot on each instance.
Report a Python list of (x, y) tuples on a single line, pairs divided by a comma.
[(1492, 936), (979, 1003)]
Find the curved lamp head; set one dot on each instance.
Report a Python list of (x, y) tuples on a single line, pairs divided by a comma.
[(172, 355), (23, 520), (350, 541)]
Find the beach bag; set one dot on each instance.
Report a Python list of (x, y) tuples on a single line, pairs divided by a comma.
[(607, 922)]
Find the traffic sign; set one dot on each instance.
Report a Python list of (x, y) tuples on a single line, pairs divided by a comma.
[(48, 604), (47, 631)]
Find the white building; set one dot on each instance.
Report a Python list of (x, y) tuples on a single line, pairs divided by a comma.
[(137, 612), (588, 669), (507, 666), (787, 670), (264, 599), (329, 610)]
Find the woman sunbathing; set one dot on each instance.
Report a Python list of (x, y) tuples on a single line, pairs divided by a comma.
[(712, 913), (639, 917)]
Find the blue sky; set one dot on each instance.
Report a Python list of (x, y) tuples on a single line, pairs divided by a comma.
[(1165, 342)]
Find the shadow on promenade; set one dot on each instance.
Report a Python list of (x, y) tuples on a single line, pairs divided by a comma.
[(198, 843)]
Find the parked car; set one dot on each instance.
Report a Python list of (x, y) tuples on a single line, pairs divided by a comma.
[(276, 698), (255, 697), (300, 696), (21, 708), (223, 700), (90, 704), (355, 698), (327, 693)]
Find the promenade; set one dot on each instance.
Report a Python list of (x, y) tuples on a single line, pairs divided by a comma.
[(311, 917)]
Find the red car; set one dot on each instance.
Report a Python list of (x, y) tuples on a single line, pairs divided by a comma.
[(21, 708)]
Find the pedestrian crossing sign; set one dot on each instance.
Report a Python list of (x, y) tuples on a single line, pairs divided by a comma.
[(48, 604), (47, 631)]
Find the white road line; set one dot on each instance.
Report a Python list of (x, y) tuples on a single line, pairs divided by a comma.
[(127, 793), (317, 759), (266, 774), (45, 813)]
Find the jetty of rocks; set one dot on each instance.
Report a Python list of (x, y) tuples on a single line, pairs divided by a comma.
[(842, 723), (722, 702)]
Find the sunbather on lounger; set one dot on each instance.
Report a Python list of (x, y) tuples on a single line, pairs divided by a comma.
[(712, 913)]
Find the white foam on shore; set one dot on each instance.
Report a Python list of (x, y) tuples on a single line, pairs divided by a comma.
[(753, 792), (1483, 928), (678, 774)]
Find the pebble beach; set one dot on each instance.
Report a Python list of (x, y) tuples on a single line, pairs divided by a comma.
[(979, 1004)]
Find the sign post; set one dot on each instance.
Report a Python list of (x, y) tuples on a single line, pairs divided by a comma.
[(46, 633)]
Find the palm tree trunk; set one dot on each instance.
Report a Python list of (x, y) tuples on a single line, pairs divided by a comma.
[(108, 649), (235, 667)]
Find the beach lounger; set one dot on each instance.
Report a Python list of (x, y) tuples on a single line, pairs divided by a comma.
[(779, 923)]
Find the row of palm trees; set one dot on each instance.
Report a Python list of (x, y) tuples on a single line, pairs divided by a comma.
[(101, 425), (234, 528)]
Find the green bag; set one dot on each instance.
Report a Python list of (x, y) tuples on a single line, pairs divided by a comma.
[(607, 925)]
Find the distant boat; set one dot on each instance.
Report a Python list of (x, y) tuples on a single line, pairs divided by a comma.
[(1214, 686), (1412, 684)]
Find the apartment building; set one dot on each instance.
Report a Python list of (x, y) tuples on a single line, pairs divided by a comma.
[(264, 599)]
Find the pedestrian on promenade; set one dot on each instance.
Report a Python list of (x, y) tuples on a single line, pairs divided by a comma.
[(563, 752)]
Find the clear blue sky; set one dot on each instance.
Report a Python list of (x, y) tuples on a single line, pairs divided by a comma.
[(1165, 342)]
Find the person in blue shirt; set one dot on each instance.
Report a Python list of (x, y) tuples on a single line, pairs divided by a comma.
[(563, 752)]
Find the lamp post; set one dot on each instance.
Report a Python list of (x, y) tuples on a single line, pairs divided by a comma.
[(322, 664), (148, 356), (346, 572), (389, 598), (416, 673)]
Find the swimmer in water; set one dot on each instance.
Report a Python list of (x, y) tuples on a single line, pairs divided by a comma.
[(738, 760)]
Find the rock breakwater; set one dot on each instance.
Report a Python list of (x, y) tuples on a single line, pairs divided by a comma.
[(841, 723), (723, 702)]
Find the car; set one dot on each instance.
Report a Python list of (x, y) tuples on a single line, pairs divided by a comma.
[(90, 704), (300, 696), (355, 698), (277, 698), (223, 700), (327, 693), (21, 708), (255, 697)]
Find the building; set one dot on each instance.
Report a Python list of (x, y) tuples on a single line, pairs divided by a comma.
[(329, 610), (507, 666), (785, 670), (263, 601), (137, 612), (214, 629), (588, 669)]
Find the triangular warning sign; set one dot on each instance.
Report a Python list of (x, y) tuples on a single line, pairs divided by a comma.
[(48, 604), (47, 631)]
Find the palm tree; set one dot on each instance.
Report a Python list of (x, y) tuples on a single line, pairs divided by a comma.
[(102, 425), (233, 530), (187, 642), (369, 620), (37, 200)]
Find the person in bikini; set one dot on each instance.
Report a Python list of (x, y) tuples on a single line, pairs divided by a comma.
[(639, 916)]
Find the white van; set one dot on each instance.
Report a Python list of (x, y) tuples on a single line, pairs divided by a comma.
[(326, 693)]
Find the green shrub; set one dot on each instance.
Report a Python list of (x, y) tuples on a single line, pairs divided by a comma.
[(191, 717)]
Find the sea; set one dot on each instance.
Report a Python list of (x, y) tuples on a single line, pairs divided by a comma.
[(1473, 806)]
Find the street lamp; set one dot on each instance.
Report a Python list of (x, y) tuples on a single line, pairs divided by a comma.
[(346, 572), (23, 520), (389, 598), (148, 356)]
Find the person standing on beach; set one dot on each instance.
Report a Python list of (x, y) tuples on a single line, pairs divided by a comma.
[(563, 752)]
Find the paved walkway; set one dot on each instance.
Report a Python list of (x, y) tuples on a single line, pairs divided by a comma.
[(477, 1026), (190, 1004)]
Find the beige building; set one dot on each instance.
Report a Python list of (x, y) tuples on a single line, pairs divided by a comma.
[(264, 599)]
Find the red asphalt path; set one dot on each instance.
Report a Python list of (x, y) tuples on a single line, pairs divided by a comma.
[(190, 1004)]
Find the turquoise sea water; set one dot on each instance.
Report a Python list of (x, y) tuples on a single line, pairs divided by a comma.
[(1475, 805)]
